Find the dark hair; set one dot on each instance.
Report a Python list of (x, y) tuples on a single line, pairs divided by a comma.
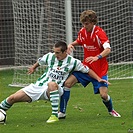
[(61, 44)]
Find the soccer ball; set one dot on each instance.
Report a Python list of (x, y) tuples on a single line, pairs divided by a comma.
[(2, 116)]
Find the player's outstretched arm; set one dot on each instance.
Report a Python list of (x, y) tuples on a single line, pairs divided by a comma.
[(33, 68), (95, 76), (103, 80)]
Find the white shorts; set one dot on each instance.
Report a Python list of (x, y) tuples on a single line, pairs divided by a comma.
[(38, 92)]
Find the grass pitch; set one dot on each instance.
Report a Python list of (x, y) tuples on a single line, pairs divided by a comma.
[(85, 113)]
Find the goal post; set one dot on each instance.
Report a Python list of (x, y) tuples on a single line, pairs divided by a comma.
[(68, 14), (38, 24)]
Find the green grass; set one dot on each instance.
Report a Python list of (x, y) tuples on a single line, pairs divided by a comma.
[(85, 113)]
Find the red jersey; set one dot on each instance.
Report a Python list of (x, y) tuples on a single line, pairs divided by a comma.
[(92, 43)]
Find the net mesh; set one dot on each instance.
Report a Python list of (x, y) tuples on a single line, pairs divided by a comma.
[(116, 18), (6, 33), (39, 24)]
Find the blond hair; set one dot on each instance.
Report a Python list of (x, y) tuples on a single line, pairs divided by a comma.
[(88, 16)]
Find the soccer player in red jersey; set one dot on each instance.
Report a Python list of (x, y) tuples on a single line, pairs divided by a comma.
[(96, 47)]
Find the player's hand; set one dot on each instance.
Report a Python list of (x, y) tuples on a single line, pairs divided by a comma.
[(105, 81), (91, 59), (30, 70), (70, 49)]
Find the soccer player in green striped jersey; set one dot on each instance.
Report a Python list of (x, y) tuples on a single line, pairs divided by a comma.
[(50, 85)]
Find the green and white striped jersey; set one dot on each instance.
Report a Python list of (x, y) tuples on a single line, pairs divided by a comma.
[(59, 70)]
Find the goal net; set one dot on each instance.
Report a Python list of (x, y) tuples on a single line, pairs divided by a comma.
[(116, 18), (40, 23)]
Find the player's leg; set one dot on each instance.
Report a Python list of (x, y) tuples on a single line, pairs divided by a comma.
[(19, 96), (53, 94), (76, 76), (63, 103), (106, 98), (108, 101), (66, 95), (102, 88)]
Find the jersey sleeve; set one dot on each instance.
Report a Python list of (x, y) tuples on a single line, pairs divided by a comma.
[(81, 67), (43, 60), (103, 37)]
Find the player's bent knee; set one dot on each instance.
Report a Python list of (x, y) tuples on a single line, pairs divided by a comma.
[(104, 96), (68, 85), (52, 86)]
